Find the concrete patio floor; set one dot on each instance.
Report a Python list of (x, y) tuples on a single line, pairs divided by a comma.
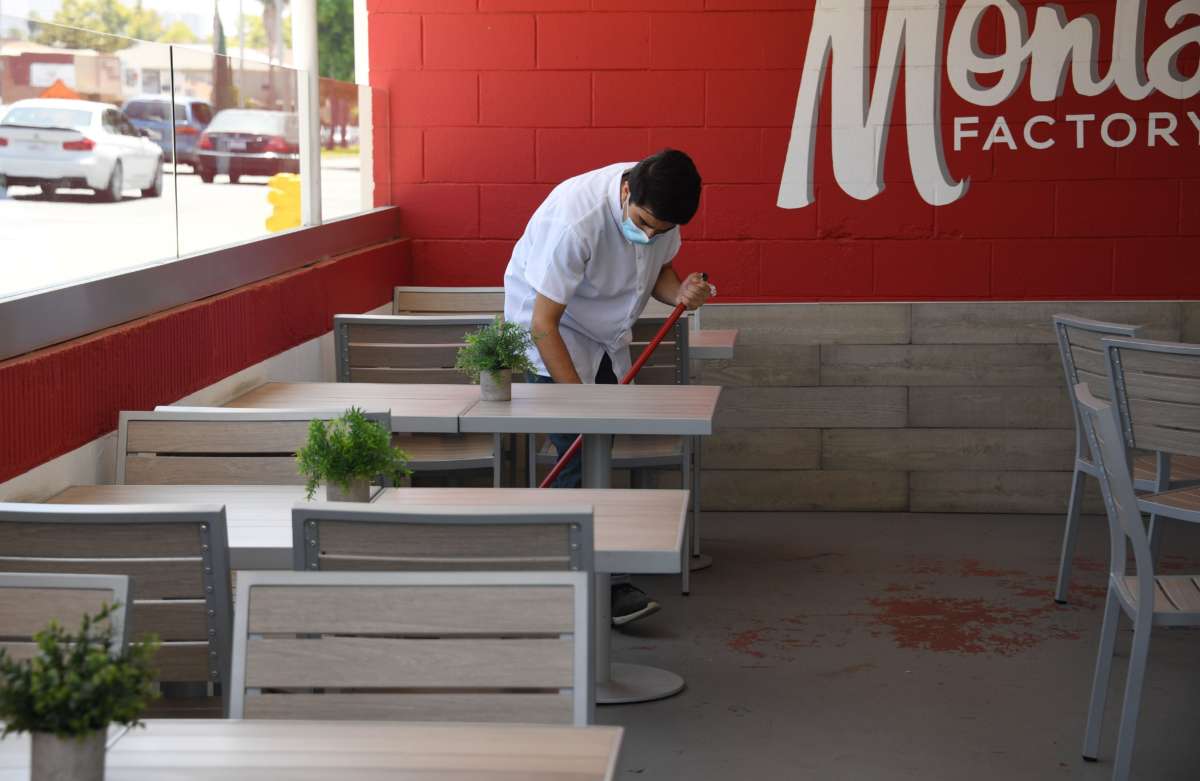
[(897, 646)]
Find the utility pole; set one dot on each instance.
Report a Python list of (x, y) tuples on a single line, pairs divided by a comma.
[(241, 54)]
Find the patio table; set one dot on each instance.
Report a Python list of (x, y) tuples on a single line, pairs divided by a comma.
[(238, 750), (415, 408), (599, 412)]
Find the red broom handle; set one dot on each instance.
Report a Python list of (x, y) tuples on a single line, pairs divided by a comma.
[(577, 445)]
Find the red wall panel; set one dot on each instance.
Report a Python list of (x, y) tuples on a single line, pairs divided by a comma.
[(57, 399), (499, 100)]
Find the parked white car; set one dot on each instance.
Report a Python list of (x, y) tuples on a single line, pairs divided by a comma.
[(54, 144)]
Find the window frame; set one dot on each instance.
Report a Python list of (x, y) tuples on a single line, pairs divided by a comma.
[(37, 320)]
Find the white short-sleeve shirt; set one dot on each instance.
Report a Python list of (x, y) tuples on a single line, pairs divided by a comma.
[(574, 253)]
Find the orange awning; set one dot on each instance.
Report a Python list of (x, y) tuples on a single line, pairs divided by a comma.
[(60, 90)]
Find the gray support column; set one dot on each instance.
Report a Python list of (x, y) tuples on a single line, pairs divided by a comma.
[(366, 106), (304, 51)]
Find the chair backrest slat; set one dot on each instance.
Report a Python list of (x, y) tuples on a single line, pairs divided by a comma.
[(1157, 393), (669, 363), (29, 602), (217, 445), (333, 536), (470, 645), (177, 577), (447, 300), (1082, 354), (402, 348), (177, 557)]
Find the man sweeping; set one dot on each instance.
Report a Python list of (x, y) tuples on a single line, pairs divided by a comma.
[(591, 256)]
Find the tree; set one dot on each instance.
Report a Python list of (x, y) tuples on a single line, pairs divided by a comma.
[(335, 38), (223, 94), (256, 34), (93, 24), (144, 24), (178, 32)]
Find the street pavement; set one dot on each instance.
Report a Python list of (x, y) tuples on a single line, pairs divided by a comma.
[(46, 243)]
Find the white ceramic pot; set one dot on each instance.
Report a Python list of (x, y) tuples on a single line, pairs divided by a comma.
[(68, 759), (496, 386), (360, 491)]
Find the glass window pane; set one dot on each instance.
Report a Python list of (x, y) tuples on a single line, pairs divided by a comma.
[(352, 179), (253, 135), (83, 194)]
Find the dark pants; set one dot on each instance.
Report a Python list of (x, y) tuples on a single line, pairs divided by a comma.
[(572, 475)]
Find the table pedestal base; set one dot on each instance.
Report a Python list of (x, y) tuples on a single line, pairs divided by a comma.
[(700, 561), (636, 683)]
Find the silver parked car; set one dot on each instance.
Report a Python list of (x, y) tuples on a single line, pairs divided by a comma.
[(56, 144)]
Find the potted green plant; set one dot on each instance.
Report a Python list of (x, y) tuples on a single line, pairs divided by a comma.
[(68, 694), (346, 453), (492, 354)]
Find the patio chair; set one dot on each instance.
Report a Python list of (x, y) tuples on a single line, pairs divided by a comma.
[(216, 445), (1079, 343), (1157, 399), (668, 366), (30, 601), (1148, 600), (416, 349), (177, 557), (414, 646), (337, 536)]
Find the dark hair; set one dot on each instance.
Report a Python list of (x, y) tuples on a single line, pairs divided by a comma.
[(668, 184)]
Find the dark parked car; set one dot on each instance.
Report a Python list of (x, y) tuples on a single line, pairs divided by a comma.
[(152, 112), (249, 142)]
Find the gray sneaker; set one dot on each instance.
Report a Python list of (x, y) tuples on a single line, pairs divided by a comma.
[(629, 603)]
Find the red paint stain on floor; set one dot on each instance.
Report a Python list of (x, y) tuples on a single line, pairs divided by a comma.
[(971, 568), (743, 642), (964, 626), (1020, 618)]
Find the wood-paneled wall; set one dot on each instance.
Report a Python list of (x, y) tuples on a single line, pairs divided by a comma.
[(928, 407)]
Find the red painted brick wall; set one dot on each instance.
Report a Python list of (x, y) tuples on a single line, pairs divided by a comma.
[(495, 101), (60, 398)]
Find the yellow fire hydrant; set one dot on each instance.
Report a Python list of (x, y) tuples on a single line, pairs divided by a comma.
[(284, 195)]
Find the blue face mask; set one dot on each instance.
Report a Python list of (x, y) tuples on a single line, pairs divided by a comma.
[(635, 234)]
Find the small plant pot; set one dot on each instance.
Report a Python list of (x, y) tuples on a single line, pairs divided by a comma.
[(496, 386), (360, 491), (68, 759)]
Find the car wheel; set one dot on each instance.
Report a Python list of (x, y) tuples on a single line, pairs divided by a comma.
[(116, 185), (206, 175), (156, 187)]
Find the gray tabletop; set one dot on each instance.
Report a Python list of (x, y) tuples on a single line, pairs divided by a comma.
[(679, 410)]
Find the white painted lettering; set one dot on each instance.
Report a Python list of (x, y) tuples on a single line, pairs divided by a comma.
[(1080, 120), (964, 59), (1058, 45), (1000, 134), (1165, 133), (1163, 67), (1106, 126), (860, 121), (961, 130), (912, 40), (1195, 121), (1040, 119)]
